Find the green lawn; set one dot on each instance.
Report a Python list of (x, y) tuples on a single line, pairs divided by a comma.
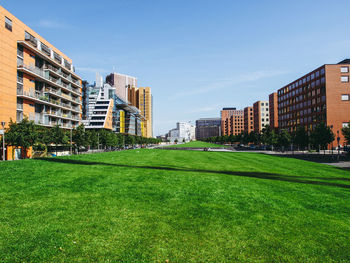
[(181, 206), (197, 144)]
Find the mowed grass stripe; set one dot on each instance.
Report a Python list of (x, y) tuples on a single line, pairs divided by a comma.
[(184, 206)]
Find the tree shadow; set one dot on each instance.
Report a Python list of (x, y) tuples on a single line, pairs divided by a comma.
[(252, 174)]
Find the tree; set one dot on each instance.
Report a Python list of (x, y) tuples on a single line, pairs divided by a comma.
[(183, 140), (58, 136), (284, 139), (301, 138), (346, 133), (79, 137), (176, 141), (321, 136), (23, 134)]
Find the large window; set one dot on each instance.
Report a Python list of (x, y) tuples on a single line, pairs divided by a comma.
[(344, 97), (344, 69), (344, 78), (8, 23)]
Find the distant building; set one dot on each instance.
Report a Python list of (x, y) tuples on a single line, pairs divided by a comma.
[(231, 121), (183, 131), (261, 115), (273, 108), (208, 127), (248, 119)]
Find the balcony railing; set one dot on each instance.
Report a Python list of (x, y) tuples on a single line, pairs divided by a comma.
[(19, 106), (48, 66), (20, 52)]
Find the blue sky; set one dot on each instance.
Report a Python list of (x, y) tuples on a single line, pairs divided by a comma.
[(197, 55)]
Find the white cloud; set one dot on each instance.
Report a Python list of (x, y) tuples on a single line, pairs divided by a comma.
[(46, 23), (226, 83)]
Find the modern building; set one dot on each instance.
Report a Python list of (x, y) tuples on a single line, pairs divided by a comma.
[(37, 80), (145, 104), (231, 121), (248, 119), (261, 115), (208, 127), (322, 95), (273, 108), (106, 110), (183, 131)]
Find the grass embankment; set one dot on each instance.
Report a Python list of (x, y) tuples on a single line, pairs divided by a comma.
[(181, 206), (197, 144)]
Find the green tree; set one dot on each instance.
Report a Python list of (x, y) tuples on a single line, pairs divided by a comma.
[(301, 138), (23, 134), (58, 136), (321, 136), (79, 137), (346, 133), (284, 139)]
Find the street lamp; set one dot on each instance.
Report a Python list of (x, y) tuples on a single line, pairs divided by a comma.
[(3, 140), (332, 141)]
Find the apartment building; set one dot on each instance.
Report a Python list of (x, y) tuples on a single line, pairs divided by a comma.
[(236, 123), (248, 117), (322, 95), (261, 115), (37, 79), (273, 108), (208, 127), (231, 121), (183, 131)]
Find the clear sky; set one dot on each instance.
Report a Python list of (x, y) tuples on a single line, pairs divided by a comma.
[(197, 55)]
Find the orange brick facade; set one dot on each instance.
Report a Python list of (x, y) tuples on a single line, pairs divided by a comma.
[(248, 119), (323, 95), (232, 121)]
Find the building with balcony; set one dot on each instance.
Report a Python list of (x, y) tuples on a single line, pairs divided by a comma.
[(145, 104), (37, 80), (208, 127), (261, 115), (320, 96)]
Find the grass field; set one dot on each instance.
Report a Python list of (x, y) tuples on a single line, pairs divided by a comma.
[(173, 206), (197, 144)]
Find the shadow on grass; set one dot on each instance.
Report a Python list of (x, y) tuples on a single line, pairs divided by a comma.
[(259, 175)]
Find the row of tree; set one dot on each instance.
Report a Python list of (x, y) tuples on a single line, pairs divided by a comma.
[(319, 138), (26, 134)]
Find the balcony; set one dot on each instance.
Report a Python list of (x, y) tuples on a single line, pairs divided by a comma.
[(39, 73), (19, 106), (56, 60), (19, 53)]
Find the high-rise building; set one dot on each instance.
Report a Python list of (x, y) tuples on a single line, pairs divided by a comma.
[(122, 83), (145, 104), (273, 108), (261, 115), (208, 127), (248, 119), (320, 96), (37, 80)]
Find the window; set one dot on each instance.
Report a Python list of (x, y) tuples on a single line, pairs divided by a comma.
[(344, 69), (345, 124), (344, 78), (344, 97), (8, 23)]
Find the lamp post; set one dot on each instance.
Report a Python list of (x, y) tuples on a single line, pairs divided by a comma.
[(332, 141), (3, 140), (338, 140)]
